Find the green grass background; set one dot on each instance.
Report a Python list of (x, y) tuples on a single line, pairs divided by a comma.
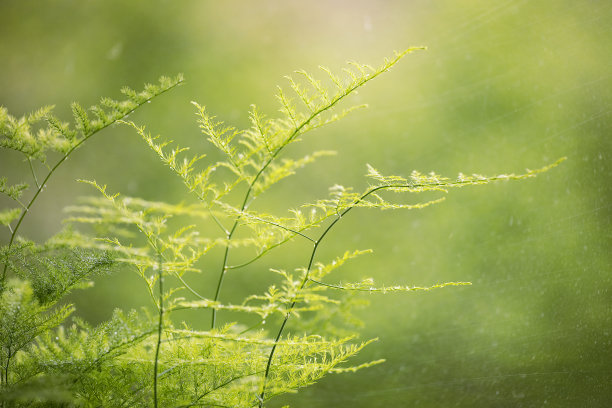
[(504, 86)]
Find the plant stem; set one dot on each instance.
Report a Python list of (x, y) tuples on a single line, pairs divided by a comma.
[(159, 327)]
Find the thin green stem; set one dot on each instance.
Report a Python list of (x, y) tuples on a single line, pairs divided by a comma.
[(159, 328), (214, 217), (189, 288), (279, 243), (224, 268), (6, 367), (32, 171), (285, 320), (248, 329), (329, 285), (256, 257)]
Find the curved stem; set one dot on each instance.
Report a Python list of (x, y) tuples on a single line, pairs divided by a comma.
[(6, 368), (214, 217), (305, 280), (160, 326), (32, 171), (224, 268), (281, 242), (189, 288)]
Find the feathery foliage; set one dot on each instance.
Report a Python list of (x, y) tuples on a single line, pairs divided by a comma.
[(148, 358), (43, 275)]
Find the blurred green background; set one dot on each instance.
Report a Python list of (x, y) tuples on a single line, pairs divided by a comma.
[(504, 86)]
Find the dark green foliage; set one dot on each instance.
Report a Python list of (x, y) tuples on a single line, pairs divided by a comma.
[(29, 306), (53, 272), (23, 319), (144, 359)]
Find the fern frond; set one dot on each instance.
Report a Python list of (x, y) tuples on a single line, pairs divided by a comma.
[(9, 215), (313, 341), (263, 310), (260, 130), (293, 370), (81, 120), (219, 135), (198, 182), (18, 133), (83, 348), (352, 369), (55, 271), (304, 122), (344, 198), (308, 100), (366, 285), (287, 167), (27, 136), (321, 270), (12, 191), (316, 85), (22, 320), (426, 182)]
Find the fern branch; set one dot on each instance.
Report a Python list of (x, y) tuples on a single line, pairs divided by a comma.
[(86, 137), (197, 402), (261, 254), (298, 127), (394, 187), (366, 286)]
